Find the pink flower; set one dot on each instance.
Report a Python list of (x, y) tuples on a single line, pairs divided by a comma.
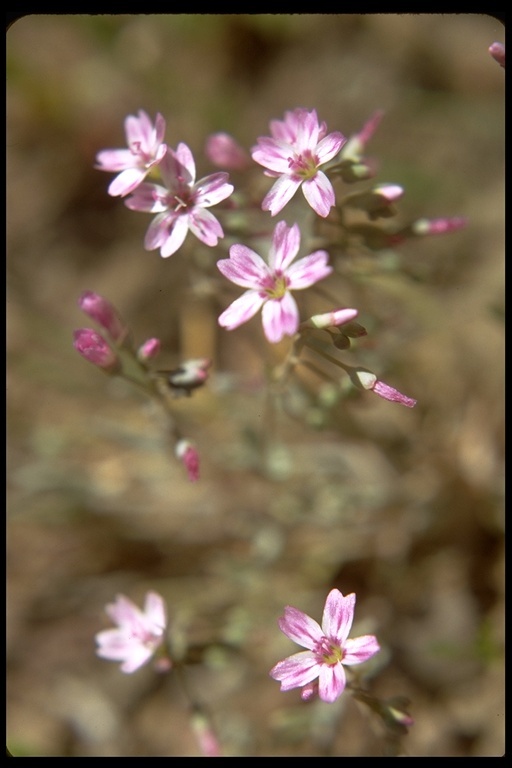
[(145, 150), (298, 147), (270, 285), (138, 635), (329, 650), (95, 349), (181, 205)]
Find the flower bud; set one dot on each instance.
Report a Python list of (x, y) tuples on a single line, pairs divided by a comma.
[(225, 152), (355, 146), (364, 379), (497, 51), (208, 741), (190, 375), (148, 350), (187, 452), (95, 349), (105, 314), (336, 317), (438, 226)]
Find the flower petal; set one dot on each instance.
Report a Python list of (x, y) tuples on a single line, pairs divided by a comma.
[(338, 616), (186, 159), (114, 160), (273, 154), (296, 671), (126, 182), (245, 268), (150, 198), (205, 226), (359, 649), (280, 318), (331, 682), (154, 609), (285, 246), (176, 237), (124, 612), (309, 270), (300, 627), (241, 310), (280, 193), (329, 147), (319, 193), (212, 190)]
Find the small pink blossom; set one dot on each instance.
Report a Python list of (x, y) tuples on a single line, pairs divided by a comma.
[(225, 152), (93, 347), (138, 635), (329, 649), (294, 154), (270, 285), (181, 204), (145, 150)]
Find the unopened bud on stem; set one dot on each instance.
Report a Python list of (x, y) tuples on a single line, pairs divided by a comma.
[(95, 349)]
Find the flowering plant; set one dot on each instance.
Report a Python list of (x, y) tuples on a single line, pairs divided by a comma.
[(287, 270)]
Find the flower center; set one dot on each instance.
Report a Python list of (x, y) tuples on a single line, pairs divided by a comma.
[(328, 652), (278, 289), (304, 165)]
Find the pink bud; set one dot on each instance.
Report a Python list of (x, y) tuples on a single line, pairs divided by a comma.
[(390, 192), (388, 393), (149, 349), (309, 691), (370, 127), (105, 314), (497, 51), (95, 349), (187, 452), (368, 380), (225, 152), (208, 742), (328, 319), (438, 226)]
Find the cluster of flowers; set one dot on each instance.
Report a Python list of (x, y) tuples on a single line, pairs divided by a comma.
[(318, 671), (299, 153)]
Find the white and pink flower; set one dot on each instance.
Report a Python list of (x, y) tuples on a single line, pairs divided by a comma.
[(138, 635), (270, 285), (181, 205), (146, 149), (298, 147), (329, 648)]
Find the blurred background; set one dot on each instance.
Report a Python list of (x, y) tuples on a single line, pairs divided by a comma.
[(404, 507)]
